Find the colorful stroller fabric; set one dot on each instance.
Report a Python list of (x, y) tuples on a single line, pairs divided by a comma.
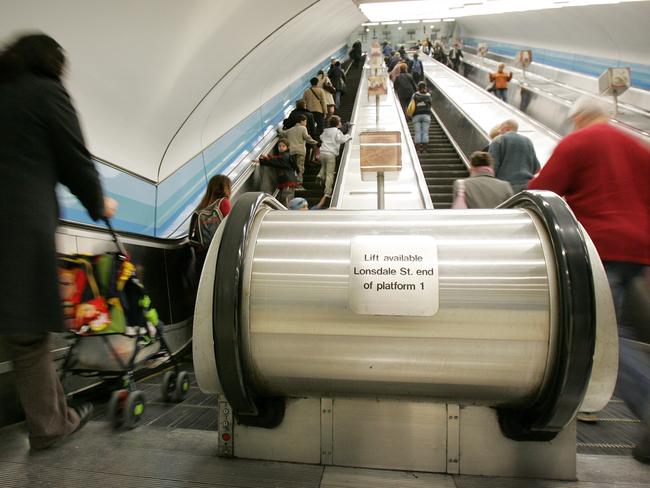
[(101, 295)]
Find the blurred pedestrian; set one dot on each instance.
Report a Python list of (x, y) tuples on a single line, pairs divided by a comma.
[(514, 156), (604, 175), (501, 78), (41, 144)]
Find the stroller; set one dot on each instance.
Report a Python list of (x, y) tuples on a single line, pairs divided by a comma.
[(114, 330)]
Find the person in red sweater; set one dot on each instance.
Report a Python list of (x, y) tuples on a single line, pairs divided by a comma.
[(604, 175)]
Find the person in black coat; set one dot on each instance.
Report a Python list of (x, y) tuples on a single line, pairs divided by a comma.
[(405, 87), (337, 77), (40, 145), (292, 119)]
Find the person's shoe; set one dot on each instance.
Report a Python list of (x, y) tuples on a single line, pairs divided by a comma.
[(85, 411), (588, 418)]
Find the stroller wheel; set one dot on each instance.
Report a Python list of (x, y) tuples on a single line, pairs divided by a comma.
[(182, 387), (115, 408), (168, 386), (133, 409)]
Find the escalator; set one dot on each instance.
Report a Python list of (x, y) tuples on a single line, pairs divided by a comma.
[(313, 191), (441, 164)]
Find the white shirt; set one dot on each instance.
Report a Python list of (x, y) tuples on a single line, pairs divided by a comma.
[(331, 140)]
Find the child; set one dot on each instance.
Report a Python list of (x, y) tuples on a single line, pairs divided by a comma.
[(284, 170)]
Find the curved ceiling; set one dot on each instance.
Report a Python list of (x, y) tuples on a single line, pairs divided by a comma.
[(139, 69)]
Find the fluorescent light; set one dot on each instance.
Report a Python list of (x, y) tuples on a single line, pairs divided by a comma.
[(389, 23), (391, 10), (448, 20), (370, 23), (431, 21), (410, 21)]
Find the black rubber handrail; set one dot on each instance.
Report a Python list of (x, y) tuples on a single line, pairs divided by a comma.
[(558, 402), (248, 406)]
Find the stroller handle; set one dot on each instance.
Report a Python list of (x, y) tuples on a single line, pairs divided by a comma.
[(120, 247)]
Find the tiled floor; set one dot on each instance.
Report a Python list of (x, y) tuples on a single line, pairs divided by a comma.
[(151, 456), (175, 446)]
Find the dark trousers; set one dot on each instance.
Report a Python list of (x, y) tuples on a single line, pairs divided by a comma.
[(319, 120), (49, 418), (633, 362)]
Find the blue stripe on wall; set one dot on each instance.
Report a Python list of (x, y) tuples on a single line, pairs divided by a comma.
[(157, 210), (580, 63)]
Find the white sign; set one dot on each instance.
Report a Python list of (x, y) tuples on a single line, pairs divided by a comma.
[(394, 275)]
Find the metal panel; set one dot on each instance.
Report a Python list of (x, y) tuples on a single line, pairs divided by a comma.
[(491, 348), (296, 439), (392, 434), (326, 431), (453, 439), (484, 451)]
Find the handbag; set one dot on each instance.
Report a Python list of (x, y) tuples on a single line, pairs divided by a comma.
[(328, 87), (460, 201), (410, 110)]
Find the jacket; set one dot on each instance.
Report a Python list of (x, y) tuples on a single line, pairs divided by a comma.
[(315, 99), (515, 160), (422, 103), (297, 136), (337, 77), (604, 175), (329, 99), (292, 119), (285, 166), (501, 79), (41, 144), (483, 190), (331, 140), (405, 86)]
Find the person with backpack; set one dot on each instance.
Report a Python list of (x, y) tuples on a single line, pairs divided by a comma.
[(213, 208), (337, 77)]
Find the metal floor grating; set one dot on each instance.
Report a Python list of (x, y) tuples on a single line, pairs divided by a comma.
[(614, 433)]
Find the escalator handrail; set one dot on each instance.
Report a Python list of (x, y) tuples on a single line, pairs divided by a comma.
[(559, 400), (228, 298), (346, 149)]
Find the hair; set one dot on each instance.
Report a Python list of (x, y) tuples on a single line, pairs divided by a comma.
[(509, 124), (37, 54), (219, 186), (403, 68), (320, 72), (589, 107), (284, 141), (422, 86), (314, 81), (480, 158), (301, 104), (501, 66), (337, 64), (494, 131), (301, 118), (334, 121), (416, 55)]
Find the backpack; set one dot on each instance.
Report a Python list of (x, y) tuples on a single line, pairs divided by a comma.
[(204, 224)]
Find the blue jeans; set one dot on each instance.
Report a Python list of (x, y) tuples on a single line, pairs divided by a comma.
[(633, 363), (421, 123), (502, 93)]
